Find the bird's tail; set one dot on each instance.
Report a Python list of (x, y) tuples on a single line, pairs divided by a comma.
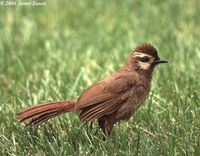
[(43, 112)]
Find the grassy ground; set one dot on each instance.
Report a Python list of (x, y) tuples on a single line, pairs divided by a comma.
[(54, 52)]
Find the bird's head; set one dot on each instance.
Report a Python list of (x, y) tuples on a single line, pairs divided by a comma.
[(145, 57)]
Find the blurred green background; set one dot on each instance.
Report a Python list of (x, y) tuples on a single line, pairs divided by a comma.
[(55, 51)]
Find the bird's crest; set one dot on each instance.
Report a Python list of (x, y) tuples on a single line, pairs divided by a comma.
[(147, 49)]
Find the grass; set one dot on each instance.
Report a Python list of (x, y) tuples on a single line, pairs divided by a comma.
[(56, 51)]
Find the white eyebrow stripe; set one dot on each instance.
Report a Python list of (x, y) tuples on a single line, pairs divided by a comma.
[(141, 54)]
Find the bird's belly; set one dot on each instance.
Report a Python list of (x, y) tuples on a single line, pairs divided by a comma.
[(129, 107)]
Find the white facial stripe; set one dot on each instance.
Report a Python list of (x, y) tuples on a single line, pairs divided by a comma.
[(144, 66), (138, 54)]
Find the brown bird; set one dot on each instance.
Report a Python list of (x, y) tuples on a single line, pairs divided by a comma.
[(113, 99)]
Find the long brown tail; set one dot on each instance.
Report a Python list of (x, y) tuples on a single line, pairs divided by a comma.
[(43, 112)]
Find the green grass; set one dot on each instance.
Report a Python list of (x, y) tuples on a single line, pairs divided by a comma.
[(56, 51)]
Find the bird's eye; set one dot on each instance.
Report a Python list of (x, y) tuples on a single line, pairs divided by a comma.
[(144, 59)]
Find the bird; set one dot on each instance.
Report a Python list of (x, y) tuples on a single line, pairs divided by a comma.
[(113, 99)]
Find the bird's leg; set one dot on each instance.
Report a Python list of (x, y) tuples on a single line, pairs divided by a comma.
[(108, 127), (101, 123)]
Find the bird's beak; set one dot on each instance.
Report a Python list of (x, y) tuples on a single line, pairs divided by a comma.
[(159, 60)]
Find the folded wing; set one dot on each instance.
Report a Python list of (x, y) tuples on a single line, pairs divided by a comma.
[(103, 98)]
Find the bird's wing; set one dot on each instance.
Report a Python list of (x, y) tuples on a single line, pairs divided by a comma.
[(104, 97)]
